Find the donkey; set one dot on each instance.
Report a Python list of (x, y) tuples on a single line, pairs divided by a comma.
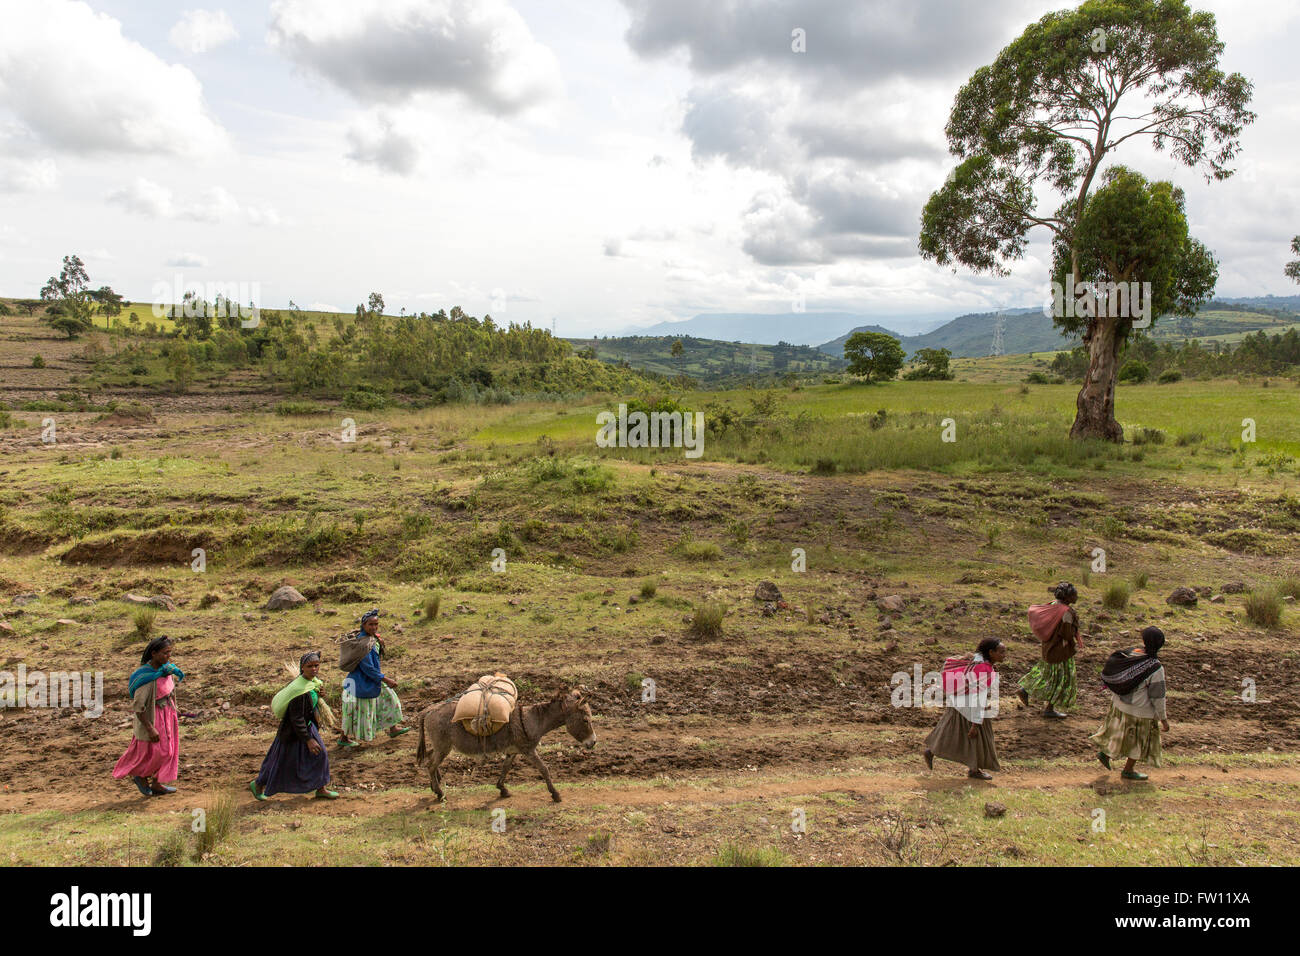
[(527, 726)]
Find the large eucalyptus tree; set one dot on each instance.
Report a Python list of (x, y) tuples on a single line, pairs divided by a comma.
[(1047, 113)]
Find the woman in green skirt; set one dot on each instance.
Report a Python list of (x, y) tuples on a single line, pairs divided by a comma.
[(370, 703), (1053, 680), (1136, 681)]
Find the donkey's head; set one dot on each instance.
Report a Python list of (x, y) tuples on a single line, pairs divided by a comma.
[(577, 717)]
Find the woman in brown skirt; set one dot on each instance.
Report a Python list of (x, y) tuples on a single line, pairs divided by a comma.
[(965, 732)]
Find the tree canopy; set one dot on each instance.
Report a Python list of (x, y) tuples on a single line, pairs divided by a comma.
[(874, 355)]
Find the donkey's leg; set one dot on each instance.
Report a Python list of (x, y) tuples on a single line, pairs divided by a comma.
[(501, 781), (440, 751), (536, 761)]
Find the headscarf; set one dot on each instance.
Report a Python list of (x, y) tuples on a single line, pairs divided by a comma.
[(1126, 670), (147, 673), (307, 659), (373, 612), (296, 688)]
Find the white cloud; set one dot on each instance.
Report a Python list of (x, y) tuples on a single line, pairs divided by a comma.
[(213, 205), (198, 31), (145, 197), (382, 144), (70, 77), (386, 51), (19, 175), (188, 260), (263, 216)]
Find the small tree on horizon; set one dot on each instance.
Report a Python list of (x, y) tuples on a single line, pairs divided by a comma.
[(1293, 267), (71, 302)]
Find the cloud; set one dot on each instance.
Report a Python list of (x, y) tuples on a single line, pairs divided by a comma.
[(188, 260), (198, 31), (263, 216), (213, 205), (387, 51), (614, 248), (384, 146), (77, 84), (846, 43), (850, 130), (144, 197), (19, 175)]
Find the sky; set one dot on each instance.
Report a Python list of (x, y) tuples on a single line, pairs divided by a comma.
[(595, 165)]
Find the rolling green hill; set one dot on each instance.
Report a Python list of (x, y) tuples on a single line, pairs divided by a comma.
[(710, 360)]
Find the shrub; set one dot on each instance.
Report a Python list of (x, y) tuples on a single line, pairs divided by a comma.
[(37, 361), (136, 411), (706, 621), (1037, 378), (1169, 376), (285, 409), (219, 821), (701, 551), (1264, 609), (1148, 436), (648, 589), (733, 855), (1135, 371), (143, 619), (172, 850), (1289, 587), (364, 398), (1140, 581), (432, 604), (1116, 596)]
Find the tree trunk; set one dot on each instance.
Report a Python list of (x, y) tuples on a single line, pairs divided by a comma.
[(1095, 417)]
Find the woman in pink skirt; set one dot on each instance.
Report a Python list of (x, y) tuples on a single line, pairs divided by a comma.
[(154, 756)]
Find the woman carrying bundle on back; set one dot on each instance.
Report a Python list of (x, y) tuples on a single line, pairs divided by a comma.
[(370, 703), (297, 761), (965, 731), (154, 757), (1053, 680), (1136, 681)]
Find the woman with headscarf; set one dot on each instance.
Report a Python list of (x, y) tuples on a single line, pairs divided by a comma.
[(154, 757), (965, 731), (297, 761), (1053, 680), (369, 701), (1136, 681)]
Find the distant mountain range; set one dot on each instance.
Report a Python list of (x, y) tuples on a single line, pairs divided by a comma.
[(966, 336), (1025, 330), (769, 328)]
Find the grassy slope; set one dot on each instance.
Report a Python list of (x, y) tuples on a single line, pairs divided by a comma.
[(784, 712)]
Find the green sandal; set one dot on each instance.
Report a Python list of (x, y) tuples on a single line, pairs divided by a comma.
[(1133, 775), (252, 785), (323, 794), (348, 743), (398, 731), (1104, 758)]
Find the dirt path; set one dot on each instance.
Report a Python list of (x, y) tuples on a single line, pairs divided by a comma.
[(530, 794)]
